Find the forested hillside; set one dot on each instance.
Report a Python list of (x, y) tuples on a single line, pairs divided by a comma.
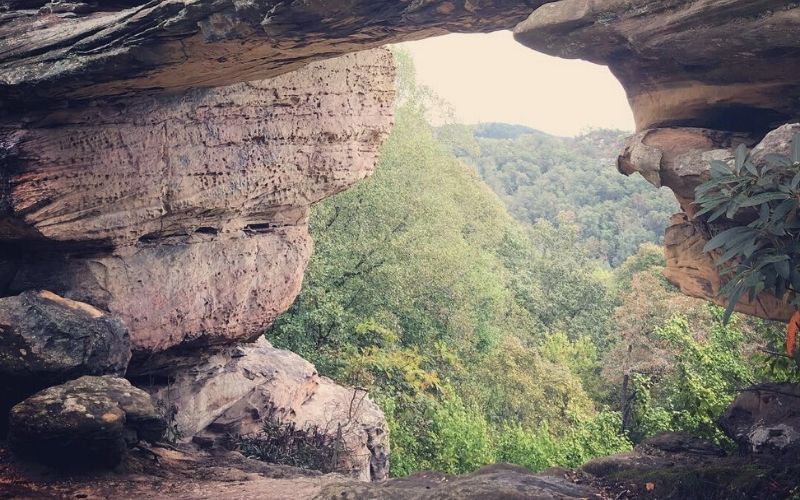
[(485, 339), (537, 175)]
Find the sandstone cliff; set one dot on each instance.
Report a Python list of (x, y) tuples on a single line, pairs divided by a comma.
[(158, 158)]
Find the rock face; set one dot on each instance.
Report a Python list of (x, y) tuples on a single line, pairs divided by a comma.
[(680, 158), (765, 419), (185, 216), (53, 50), (232, 392), (701, 77), (718, 64), (85, 422), (47, 340)]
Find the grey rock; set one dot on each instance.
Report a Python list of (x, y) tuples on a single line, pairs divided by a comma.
[(765, 419), (90, 421), (46, 340)]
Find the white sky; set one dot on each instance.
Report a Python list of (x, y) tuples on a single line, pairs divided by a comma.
[(493, 78)]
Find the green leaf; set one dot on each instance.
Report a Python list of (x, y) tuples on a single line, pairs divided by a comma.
[(732, 301), (741, 156), (795, 149), (763, 215), (782, 267), (750, 166), (723, 237), (719, 169), (780, 213), (718, 213), (795, 181), (762, 198), (728, 255)]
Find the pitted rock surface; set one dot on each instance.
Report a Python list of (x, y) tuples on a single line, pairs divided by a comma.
[(186, 216), (90, 421)]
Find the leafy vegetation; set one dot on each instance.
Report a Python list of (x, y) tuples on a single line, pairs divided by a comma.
[(286, 444), (486, 339), (539, 176), (755, 204)]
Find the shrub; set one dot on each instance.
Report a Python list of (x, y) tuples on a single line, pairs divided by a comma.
[(757, 231), (309, 448)]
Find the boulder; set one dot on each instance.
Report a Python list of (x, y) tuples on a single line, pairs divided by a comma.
[(233, 391), (674, 465), (765, 419), (46, 339), (90, 421)]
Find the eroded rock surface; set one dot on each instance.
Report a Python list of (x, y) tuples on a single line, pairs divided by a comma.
[(680, 159), (246, 157), (717, 64), (186, 216), (186, 473), (115, 48), (46, 340), (232, 391), (493, 481), (90, 421)]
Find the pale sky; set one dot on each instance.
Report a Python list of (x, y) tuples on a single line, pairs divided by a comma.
[(493, 78)]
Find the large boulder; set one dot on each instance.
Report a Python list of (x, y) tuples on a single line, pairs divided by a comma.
[(234, 391), (90, 421), (765, 419), (46, 339)]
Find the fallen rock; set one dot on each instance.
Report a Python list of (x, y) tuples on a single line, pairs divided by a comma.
[(232, 391), (46, 340), (678, 442), (765, 419), (90, 421)]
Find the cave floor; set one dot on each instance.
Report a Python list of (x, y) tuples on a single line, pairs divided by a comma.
[(185, 472)]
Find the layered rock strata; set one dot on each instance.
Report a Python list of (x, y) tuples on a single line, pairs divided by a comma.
[(63, 49), (186, 216)]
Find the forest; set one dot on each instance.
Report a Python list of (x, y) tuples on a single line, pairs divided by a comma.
[(499, 293)]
